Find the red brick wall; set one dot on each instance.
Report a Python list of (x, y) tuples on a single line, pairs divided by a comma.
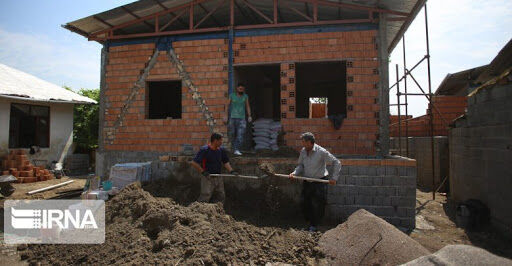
[(449, 107), (359, 130), (206, 61)]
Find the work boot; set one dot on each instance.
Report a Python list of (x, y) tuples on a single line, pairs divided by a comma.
[(237, 152)]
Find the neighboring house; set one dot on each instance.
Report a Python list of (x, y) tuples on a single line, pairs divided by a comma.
[(36, 113), (481, 143), (449, 101)]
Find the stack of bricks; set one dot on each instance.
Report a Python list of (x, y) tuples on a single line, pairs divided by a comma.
[(18, 165)]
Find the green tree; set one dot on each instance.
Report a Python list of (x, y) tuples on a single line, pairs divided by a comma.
[(86, 121)]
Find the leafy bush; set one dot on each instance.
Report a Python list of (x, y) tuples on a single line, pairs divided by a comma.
[(86, 121)]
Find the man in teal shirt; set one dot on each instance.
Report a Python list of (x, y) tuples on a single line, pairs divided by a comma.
[(239, 102)]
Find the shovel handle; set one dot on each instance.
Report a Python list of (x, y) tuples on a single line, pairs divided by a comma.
[(242, 176), (330, 182)]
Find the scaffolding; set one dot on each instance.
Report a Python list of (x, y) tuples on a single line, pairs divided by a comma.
[(428, 94)]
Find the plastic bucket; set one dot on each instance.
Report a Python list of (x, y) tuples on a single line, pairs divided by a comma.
[(107, 185)]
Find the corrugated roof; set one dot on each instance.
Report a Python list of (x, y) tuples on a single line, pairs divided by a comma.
[(458, 83), (499, 64), (16, 84), (130, 12)]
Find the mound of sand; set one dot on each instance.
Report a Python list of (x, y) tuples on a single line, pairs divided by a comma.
[(460, 255), (142, 229), (365, 239)]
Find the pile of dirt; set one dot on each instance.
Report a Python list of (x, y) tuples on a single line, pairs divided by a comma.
[(267, 168), (142, 229), (365, 239), (460, 255)]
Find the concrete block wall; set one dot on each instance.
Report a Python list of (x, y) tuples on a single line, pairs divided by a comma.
[(77, 164), (207, 63), (420, 149), (481, 153), (387, 190), (386, 187)]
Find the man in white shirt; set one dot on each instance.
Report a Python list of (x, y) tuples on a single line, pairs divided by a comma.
[(312, 163)]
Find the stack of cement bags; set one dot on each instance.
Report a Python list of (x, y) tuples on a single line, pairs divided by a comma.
[(265, 132), (275, 128)]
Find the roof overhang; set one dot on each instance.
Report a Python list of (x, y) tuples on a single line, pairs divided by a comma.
[(150, 18), (21, 86)]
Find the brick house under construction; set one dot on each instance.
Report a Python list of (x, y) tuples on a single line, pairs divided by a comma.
[(167, 67)]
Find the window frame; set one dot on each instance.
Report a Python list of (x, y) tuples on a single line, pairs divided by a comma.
[(48, 140)]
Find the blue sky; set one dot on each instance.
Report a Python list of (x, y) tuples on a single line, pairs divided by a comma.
[(463, 34)]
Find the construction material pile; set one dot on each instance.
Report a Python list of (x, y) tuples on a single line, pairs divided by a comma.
[(365, 239), (142, 229), (123, 174), (265, 133), (18, 165)]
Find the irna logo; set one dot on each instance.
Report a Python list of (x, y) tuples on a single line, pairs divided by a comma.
[(48, 219)]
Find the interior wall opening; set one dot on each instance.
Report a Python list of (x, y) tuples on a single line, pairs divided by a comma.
[(324, 81), (163, 99), (262, 85)]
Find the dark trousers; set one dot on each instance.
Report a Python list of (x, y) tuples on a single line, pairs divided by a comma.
[(314, 198)]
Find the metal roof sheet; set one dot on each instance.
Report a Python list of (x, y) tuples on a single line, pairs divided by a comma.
[(16, 84), (123, 14)]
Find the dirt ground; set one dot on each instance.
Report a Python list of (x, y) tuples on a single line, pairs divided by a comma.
[(142, 229), (23, 188), (152, 228), (436, 228), (8, 253)]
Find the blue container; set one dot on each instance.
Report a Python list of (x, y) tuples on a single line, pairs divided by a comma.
[(107, 185)]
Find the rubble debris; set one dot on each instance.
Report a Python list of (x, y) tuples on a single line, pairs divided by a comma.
[(142, 229), (365, 239)]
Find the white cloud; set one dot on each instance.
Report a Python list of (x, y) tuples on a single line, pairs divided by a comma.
[(73, 61), (463, 34)]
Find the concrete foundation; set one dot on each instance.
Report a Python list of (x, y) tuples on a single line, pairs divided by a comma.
[(384, 187)]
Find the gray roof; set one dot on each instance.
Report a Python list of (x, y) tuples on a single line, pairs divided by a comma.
[(15, 84), (456, 84), (243, 16)]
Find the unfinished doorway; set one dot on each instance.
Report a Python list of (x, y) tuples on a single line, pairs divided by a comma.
[(321, 80), (262, 86)]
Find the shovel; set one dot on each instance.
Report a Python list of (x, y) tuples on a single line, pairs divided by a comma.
[(242, 176), (269, 170)]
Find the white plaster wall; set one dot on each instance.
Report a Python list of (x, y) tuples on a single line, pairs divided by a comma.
[(5, 110), (61, 131)]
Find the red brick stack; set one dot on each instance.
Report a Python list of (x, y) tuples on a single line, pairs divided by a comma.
[(18, 165)]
